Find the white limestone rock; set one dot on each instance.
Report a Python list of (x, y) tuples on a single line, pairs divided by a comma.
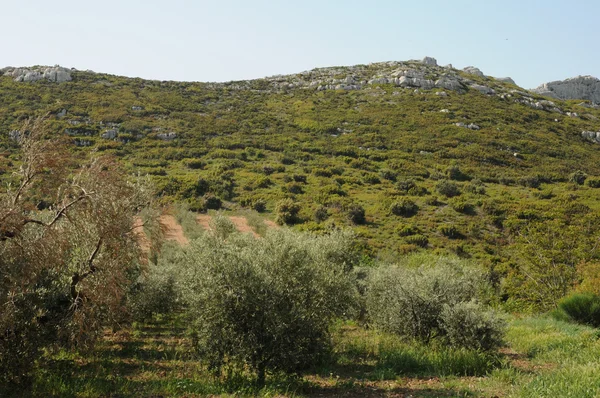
[(483, 89), (430, 61), (506, 80), (591, 136), (110, 134), (55, 74), (580, 87), (473, 71)]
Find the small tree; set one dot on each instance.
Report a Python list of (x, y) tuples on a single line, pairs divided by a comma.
[(287, 212), (421, 302), (65, 270), (267, 303)]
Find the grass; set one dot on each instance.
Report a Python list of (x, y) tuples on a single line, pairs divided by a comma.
[(543, 358)]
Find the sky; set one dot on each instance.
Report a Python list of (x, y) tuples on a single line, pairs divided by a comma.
[(532, 41)]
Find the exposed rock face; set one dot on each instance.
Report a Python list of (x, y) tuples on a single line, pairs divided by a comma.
[(430, 61), (167, 136), (473, 71), (55, 74), (110, 134), (483, 89), (580, 87), (506, 80), (591, 136)]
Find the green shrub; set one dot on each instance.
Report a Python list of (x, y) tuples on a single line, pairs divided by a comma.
[(450, 231), (454, 173), (447, 188), (267, 304), (410, 187), (155, 291), (409, 300), (475, 187), (462, 206), (371, 179), (294, 188), (405, 207), (470, 325), (593, 183), (195, 164), (418, 240), (356, 214), (407, 230), (321, 214), (582, 308), (287, 211), (259, 205), (388, 174), (530, 181), (578, 177), (212, 202)]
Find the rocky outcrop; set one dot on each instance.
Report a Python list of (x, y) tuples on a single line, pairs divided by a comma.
[(55, 74), (167, 136), (430, 61), (591, 136), (483, 89), (580, 87), (473, 71), (506, 80)]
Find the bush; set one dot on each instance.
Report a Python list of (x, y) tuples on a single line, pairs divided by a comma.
[(356, 214), (578, 177), (469, 325), (462, 206), (267, 304), (530, 181), (155, 291), (212, 202), (450, 231), (593, 183), (454, 173), (418, 240), (582, 308), (259, 205), (407, 230), (404, 208), (410, 187), (294, 188), (321, 214), (413, 301), (447, 188), (287, 212)]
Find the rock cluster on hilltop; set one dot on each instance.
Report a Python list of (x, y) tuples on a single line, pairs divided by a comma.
[(580, 87), (424, 74), (56, 74)]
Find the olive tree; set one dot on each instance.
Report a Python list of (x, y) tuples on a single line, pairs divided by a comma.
[(267, 304), (67, 248)]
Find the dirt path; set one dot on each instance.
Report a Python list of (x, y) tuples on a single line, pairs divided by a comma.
[(241, 224), (172, 229), (204, 221), (271, 224)]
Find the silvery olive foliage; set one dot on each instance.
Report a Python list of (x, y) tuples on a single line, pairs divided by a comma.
[(424, 297), (266, 304)]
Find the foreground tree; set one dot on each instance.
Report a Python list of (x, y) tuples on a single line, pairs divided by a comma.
[(267, 304), (67, 249)]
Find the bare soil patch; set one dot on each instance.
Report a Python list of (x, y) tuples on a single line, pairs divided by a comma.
[(172, 229)]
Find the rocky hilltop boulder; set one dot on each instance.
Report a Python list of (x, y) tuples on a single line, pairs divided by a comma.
[(580, 87), (55, 74)]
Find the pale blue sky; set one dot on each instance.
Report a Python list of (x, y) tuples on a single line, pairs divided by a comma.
[(532, 41)]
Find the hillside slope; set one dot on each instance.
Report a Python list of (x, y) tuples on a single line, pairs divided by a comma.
[(389, 137)]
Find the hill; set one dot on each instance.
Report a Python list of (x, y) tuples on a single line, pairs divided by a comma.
[(439, 158)]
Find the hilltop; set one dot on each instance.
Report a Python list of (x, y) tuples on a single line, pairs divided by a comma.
[(385, 137)]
